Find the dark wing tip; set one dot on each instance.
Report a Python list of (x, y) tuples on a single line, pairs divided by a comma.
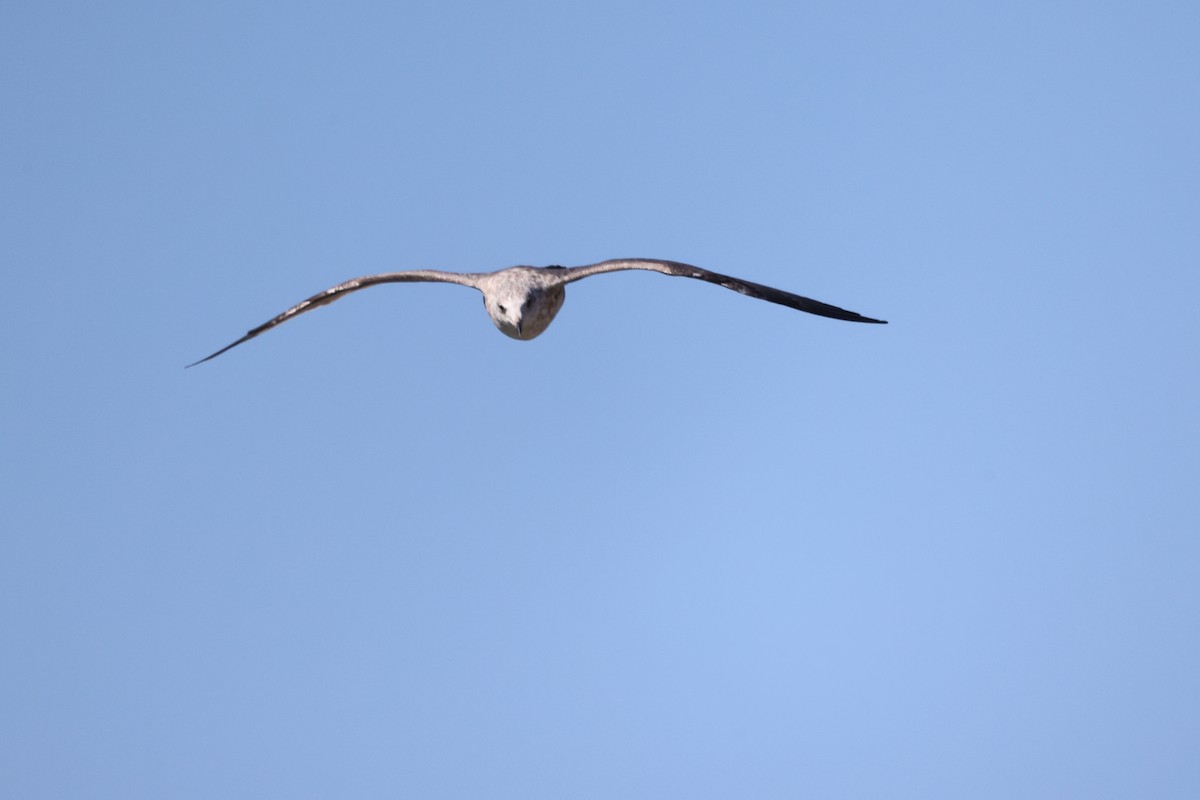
[(845, 316), (247, 337), (768, 293)]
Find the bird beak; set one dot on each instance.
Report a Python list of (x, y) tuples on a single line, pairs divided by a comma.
[(518, 329)]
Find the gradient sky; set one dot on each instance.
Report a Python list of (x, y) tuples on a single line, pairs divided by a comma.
[(685, 544)]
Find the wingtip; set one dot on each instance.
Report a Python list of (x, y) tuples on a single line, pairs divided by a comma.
[(224, 349), (210, 358)]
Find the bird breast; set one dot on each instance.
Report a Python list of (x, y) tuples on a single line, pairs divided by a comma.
[(539, 310)]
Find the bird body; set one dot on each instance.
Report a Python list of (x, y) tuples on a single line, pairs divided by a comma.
[(522, 301)]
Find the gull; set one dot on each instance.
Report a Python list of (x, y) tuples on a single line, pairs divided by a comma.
[(522, 301)]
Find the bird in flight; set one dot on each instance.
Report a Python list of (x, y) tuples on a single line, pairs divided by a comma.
[(522, 301)]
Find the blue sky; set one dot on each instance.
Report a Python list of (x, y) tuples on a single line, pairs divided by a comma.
[(685, 544)]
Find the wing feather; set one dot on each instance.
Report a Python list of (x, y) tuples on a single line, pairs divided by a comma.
[(343, 289), (755, 290)]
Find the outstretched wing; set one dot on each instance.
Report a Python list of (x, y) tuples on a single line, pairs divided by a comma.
[(342, 289), (747, 288)]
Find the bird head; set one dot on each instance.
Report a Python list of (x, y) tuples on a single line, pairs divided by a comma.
[(516, 315), (522, 310)]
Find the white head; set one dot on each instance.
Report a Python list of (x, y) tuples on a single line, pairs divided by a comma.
[(520, 307)]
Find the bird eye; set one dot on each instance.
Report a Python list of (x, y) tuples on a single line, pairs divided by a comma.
[(503, 310)]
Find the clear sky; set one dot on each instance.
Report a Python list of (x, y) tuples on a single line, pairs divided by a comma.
[(685, 544)]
